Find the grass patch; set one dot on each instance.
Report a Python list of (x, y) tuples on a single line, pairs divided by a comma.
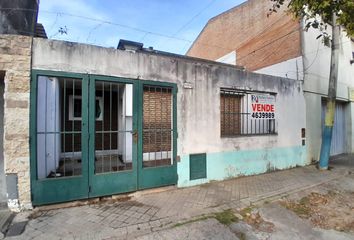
[(246, 211), (226, 217), (304, 201), (301, 209), (202, 218)]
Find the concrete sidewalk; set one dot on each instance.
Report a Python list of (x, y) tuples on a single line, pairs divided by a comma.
[(151, 212)]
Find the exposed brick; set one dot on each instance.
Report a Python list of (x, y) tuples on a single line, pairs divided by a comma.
[(258, 40), (157, 119)]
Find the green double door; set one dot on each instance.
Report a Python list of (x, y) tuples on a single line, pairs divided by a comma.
[(95, 136)]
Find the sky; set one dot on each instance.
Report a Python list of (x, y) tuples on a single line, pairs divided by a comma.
[(166, 25)]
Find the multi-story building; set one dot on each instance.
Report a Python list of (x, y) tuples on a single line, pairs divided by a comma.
[(277, 45)]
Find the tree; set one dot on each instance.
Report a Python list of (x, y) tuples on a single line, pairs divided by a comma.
[(311, 10), (319, 14)]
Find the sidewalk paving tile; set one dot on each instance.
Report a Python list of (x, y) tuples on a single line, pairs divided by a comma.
[(151, 212)]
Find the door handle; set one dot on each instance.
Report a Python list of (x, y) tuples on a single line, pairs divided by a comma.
[(135, 136)]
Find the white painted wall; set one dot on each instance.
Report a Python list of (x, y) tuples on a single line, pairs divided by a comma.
[(292, 68), (317, 64), (48, 120), (229, 58), (125, 123), (316, 59)]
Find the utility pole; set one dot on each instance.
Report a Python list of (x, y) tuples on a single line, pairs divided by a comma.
[(332, 92)]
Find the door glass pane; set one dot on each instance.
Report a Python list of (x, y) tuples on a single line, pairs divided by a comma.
[(114, 124), (59, 109), (157, 126)]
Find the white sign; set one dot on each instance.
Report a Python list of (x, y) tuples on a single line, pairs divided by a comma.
[(262, 106)]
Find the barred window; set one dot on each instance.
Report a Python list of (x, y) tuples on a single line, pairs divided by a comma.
[(230, 104), (246, 113)]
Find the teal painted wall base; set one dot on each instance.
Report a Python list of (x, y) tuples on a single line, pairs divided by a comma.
[(226, 165)]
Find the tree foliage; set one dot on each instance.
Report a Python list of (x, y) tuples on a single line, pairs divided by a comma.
[(310, 10)]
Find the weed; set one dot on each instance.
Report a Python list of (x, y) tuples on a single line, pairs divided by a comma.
[(202, 218), (246, 211), (226, 217)]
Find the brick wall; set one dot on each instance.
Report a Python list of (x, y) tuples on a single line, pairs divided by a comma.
[(15, 60), (157, 119), (258, 40), (230, 118)]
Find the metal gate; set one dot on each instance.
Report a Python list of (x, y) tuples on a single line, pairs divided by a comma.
[(338, 145), (94, 135)]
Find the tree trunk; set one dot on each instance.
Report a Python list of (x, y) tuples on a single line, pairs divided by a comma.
[(331, 101)]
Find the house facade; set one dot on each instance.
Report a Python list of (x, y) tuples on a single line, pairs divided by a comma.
[(277, 46), (82, 121)]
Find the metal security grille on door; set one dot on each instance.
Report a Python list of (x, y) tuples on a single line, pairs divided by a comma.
[(113, 125), (59, 113), (157, 126), (94, 136)]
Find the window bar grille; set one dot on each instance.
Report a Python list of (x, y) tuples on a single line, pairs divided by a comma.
[(155, 127), (164, 138), (259, 126), (228, 110), (102, 127), (247, 113), (161, 125), (64, 134), (255, 126), (110, 127), (73, 129), (45, 126), (224, 126), (55, 134), (236, 119), (232, 111), (118, 117), (150, 123)]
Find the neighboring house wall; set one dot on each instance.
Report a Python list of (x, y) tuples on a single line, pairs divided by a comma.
[(15, 60), (278, 46), (259, 41), (292, 68), (198, 105), (316, 59), (229, 58)]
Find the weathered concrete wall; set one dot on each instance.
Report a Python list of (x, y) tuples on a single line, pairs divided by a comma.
[(198, 108), (258, 40), (15, 60)]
